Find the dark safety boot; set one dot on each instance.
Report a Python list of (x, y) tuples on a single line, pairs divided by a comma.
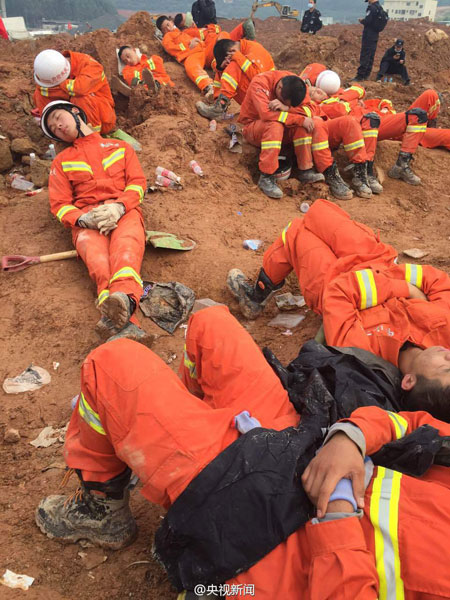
[(105, 520), (150, 81), (360, 181), (118, 308), (310, 176), (267, 184), (105, 328), (252, 298), (133, 332), (337, 185), (374, 184), (402, 169), (215, 111), (249, 29)]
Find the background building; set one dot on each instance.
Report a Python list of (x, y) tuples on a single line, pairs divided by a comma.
[(403, 10)]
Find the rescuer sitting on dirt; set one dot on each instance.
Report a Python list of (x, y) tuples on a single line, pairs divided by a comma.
[(138, 68), (237, 63), (134, 414), (95, 189), (393, 63), (78, 78), (276, 110)]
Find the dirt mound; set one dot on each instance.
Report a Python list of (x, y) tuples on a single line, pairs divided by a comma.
[(302, 50)]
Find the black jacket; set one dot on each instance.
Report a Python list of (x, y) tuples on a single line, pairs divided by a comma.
[(390, 53), (311, 21), (204, 12)]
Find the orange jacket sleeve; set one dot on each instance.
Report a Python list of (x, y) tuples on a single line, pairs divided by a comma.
[(434, 283), (355, 92), (351, 293), (128, 73), (230, 80), (341, 565), (334, 108), (176, 45), (261, 104), (380, 426), (136, 184), (61, 196), (245, 65), (90, 76)]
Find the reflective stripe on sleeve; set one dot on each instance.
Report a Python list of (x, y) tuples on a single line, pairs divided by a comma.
[(230, 80), (435, 106), (356, 88), (190, 365), (400, 424), (64, 210), (151, 64), (307, 111), (135, 188), (113, 158), (90, 416), (69, 87), (200, 77), (44, 91), (283, 233), (283, 116), (182, 47), (76, 165), (414, 274), (245, 65), (367, 288)]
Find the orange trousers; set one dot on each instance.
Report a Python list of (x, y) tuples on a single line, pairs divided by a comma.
[(270, 135), (436, 138), (429, 101), (322, 245), (330, 134), (154, 424), (396, 127), (195, 69), (114, 261), (370, 137)]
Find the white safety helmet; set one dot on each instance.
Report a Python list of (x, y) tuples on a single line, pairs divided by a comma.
[(64, 105), (51, 68), (329, 82)]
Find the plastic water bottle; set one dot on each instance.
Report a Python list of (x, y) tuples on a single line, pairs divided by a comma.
[(51, 152), (18, 182), (166, 173), (196, 168), (390, 80), (167, 183), (32, 158), (213, 125)]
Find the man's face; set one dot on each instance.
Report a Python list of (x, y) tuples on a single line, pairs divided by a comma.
[(129, 57), (316, 94), (167, 26), (62, 124), (398, 49), (433, 363), (229, 56), (278, 90)]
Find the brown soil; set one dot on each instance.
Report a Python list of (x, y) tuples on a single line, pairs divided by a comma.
[(48, 312)]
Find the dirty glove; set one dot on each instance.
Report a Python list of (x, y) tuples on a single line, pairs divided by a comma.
[(87, 221), (107, 216)]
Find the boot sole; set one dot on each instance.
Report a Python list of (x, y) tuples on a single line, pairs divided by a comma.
[(247, 311), (400, 178), (103, 331), (116, 309), (81, 534)]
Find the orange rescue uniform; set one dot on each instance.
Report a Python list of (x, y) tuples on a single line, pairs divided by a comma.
[(86, 87), (250, 60), (155, 64), (91, 172), (134, 411), (311, 72)]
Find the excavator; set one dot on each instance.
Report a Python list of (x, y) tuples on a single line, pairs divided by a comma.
[(285, 11)]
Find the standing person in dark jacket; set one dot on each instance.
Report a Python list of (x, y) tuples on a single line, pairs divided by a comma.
[(373, 22), (204, 12), (393, 63), (311, 22)]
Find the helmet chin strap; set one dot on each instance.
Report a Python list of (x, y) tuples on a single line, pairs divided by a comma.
[(78, 124)]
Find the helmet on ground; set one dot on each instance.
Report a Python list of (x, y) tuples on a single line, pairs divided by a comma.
[(284, 168), (51, 68), (61, 105), (329, 82)]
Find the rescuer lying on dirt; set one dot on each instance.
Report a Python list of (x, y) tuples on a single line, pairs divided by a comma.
[(137, 64), (95, 188)]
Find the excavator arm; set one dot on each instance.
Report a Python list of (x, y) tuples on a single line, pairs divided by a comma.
[(285, 11)]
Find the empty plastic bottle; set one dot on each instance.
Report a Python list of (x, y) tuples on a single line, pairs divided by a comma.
[(32, 158), (166, 173), (196, 168), (51, 152), (18, 182), (166, 182)]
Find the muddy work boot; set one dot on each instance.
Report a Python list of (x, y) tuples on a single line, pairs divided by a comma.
[(105, 328), (118, 308), (374, 184), (337, 185), (267, 184), (402, 170), (252, 299), (150, 81), (310, 176), (249, 29), (118, 85), (215, 111), (133, 332), (360, 181), (104, 520)]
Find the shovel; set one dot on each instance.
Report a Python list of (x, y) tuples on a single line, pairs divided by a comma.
[(18, 262)]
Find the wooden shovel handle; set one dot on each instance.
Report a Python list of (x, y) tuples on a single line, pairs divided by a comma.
[(58, 256)]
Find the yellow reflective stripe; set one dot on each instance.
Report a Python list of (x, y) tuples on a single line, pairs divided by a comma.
[(135, 188), (320, 146), (283, 233), (383, 514), (356, 88), (217, 28), (330, 100), (103, 76), (151, 64), (367, 288), (435, 106), (245, 65), (416, 128), (400, 424), (368, 133), (303, 141), (126, 272), (182, 47), (354, 145), (95, 127), (230, 80), (137, 75), (271, 144), (76, 165), (414, 274), (182, 596), (283, 116), (190, 365), (90, 416), (307, 111), (113, 158), (200, 77), (217, 84), (69, 86), (102, 296), (44, 91), (348, 108), (64, 210), (202, 35)]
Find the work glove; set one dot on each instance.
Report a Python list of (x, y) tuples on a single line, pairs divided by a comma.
[(87, 221), (107, 216)]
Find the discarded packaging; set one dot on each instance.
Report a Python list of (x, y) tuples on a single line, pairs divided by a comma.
[(167, 183), (31, 379), (287, 332), (304, 207), (415, 253), (18, 182), (16, 581), (213, 125), (49, 436), (51, 152), (166, 173), (286, 321), (228, 116), (167, 304), (235, 144), (289, 302), (252, 244), (34, 192), (196, 168)]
